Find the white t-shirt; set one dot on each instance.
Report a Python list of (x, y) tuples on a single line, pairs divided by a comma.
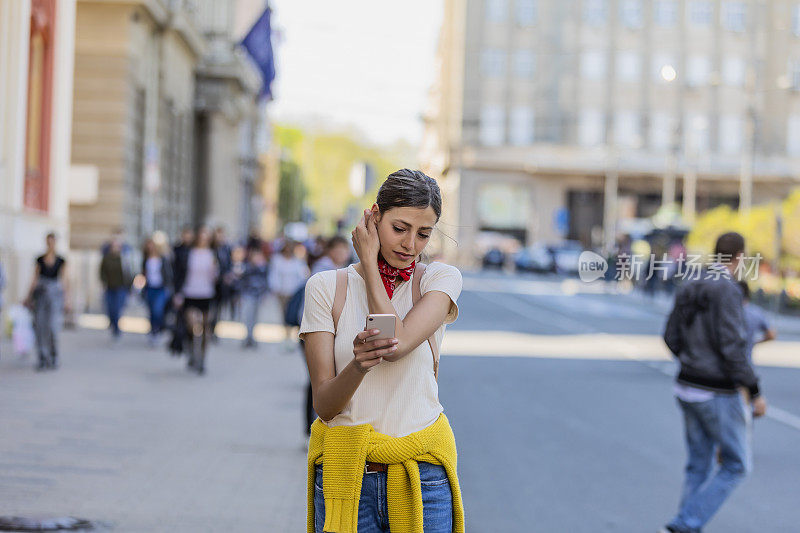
[(201, 274), (399, 397)]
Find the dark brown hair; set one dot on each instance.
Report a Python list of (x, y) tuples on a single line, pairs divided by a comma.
[(728, 246), (409, 188)]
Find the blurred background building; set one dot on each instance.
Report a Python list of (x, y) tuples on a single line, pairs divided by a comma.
[(229, 119), (133, 123), (36, 55), (166, 116), (137, 115), (165, 122), (555, 119)]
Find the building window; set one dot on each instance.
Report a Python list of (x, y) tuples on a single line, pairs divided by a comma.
[(629, 65), (666, 13), (793, 136), (662, 129), (593, 65), (794, 74), (701, 13), (730, 134), (630, 12), (698, 68), (626, 129), (734, 16), (525, 12), (524, 64), (594, 12), (39, 112), (796, 20), (695, 130), (496, 10), (591, 128), (521, 126), (493, 124), (733, 71), (663, 64), (493, 63)]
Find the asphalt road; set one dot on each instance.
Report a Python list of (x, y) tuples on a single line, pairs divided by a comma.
[(559, 394), (569, 444)]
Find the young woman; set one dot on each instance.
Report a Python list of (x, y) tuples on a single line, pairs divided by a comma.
[(47, 296), (253, 287), (196, 294), (157, 273), (382, 455), (287, 273)]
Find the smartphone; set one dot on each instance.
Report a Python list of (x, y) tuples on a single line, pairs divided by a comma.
[(385, 323)]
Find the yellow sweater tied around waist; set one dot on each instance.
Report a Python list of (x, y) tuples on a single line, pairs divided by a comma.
[(344, 450)]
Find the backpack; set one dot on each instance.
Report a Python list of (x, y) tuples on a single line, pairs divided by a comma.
[(341, 295), (293, 313)]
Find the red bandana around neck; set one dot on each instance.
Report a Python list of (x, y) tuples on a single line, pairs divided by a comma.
[(389, 274)]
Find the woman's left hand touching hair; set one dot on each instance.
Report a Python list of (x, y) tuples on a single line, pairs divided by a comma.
[(365, 238)]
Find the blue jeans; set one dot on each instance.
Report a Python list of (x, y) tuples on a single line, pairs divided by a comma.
[(156, 298), (373, 508), (115, 302), (250, 305), (722, 423)]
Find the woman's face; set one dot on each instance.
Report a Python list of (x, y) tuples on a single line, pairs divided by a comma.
[(51, 242), (203, 237), (404, 232)]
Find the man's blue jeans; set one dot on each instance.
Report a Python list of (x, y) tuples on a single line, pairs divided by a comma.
[(722, 423), (115, 303), (373, 508)]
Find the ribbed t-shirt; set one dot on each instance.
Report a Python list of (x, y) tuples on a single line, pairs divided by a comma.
[(399, 397)]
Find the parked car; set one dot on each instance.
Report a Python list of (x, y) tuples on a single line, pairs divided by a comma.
[(566, 256), (494, 258), (535, 258)]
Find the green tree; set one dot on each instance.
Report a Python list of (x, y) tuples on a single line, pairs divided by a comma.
[(325, 161), (291, 192)]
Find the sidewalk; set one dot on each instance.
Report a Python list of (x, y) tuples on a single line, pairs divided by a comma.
[(124, 435)]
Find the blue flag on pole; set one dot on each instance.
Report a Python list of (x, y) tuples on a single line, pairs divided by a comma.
[(258, 44)]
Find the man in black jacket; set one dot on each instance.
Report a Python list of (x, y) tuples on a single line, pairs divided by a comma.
[(705, 331)]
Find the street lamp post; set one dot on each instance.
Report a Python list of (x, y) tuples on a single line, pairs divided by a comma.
[(669, 75)]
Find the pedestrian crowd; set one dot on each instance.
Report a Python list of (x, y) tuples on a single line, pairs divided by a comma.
[(187, 288)]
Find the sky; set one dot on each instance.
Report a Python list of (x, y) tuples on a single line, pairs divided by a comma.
[(355, 63)]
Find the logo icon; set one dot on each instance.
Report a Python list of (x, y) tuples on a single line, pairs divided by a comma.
[(591, 266)]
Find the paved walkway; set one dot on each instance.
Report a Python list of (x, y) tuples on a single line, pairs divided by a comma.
[(123, 434)]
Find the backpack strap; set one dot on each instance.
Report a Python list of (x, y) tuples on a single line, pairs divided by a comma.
[(416, 295), (339, 296)]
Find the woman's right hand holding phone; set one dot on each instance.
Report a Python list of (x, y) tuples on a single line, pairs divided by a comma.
[(369, 353)]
